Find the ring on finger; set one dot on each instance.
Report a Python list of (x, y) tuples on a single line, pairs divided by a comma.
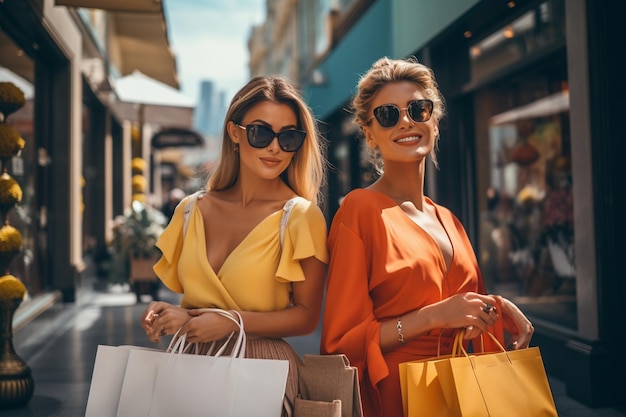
[(488, 307)]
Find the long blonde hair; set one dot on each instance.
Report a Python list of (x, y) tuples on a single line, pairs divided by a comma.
[(384, 71), (306, 172)]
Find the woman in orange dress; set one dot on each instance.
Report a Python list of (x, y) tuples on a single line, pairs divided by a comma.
[(230, 255), (402, 270)]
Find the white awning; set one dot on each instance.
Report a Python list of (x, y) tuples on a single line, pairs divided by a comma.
[(138, 35), (147, 100), (544, 107), (144, 45), (114, 5), (140, 88)]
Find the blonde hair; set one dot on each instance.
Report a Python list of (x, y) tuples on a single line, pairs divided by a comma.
[(384, 71), (306, 172)]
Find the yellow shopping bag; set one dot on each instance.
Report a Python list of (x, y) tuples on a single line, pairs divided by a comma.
[(420, 385), (506, 383)]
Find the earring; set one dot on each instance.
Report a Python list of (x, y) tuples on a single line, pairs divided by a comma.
[(236, 148)]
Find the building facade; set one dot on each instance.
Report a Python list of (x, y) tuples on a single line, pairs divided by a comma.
[(529, 153), (76, 167)]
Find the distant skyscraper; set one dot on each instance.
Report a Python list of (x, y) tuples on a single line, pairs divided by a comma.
[(211, 110), (220, 113), (202, 117)]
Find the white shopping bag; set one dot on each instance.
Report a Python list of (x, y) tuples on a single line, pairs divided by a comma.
[(107, 379), (199, 385), (138, 384)]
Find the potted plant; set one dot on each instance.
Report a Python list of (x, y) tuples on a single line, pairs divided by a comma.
[(16, 382)]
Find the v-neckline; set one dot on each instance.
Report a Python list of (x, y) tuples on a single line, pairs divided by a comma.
[(428, 201), (236, 248)]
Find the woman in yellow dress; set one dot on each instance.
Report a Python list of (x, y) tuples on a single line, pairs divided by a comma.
[(229, 255)]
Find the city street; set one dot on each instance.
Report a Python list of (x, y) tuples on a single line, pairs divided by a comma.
[(60, 347), (111, 111)]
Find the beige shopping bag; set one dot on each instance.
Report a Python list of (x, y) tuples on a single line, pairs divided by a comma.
[(328, 378), (310, 408)]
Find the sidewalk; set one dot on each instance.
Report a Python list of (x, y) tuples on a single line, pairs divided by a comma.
[(60, 345)]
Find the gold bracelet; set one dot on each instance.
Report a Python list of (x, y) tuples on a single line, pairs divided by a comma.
[(399, 328)]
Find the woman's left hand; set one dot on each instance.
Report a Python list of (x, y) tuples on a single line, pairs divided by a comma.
[(525, 329), (161, 319), (207, 327)]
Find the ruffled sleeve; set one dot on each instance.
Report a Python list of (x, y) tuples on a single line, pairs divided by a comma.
[(350, 326), (170, 244), (305, 237)]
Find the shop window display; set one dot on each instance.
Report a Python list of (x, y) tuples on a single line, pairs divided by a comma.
[(527, 224), (523, 163)]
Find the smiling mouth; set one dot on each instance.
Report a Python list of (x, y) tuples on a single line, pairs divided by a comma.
[(408, 139), (270, 161)]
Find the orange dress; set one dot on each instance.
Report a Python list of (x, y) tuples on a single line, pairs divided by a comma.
[(383, 265)]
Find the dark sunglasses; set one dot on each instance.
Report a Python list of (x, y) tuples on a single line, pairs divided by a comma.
[(260, 136), (388, 115)]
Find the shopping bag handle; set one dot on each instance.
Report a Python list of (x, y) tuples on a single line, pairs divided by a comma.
[(179, 344), (457, 345), (461, 348), (458, 340), (495, 340)]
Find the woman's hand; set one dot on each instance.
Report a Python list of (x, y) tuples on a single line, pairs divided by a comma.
[(207, 326), (161, 318), (521, 338), (475, 312), (470, 311)]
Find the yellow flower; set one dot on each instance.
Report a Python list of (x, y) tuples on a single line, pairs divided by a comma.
[(11, 98), (11, 288), (10, 190), (10, 141), (139, 183), (10, 239), (134, 133), (138, 165), (139, 197)]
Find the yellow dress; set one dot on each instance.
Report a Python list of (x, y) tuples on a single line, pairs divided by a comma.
[(256, 276)]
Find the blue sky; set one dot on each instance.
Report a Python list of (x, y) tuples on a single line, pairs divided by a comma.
[(209, 38)]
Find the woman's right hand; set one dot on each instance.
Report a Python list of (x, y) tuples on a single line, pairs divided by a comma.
[(161, 319), (472, 311), (523, 328)]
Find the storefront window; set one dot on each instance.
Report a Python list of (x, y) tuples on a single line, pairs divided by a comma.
[(524, 171), (535, 31)]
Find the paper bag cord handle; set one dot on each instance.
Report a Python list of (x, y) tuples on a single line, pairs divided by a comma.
[(461, 348), (178, 343), (458, 340)]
